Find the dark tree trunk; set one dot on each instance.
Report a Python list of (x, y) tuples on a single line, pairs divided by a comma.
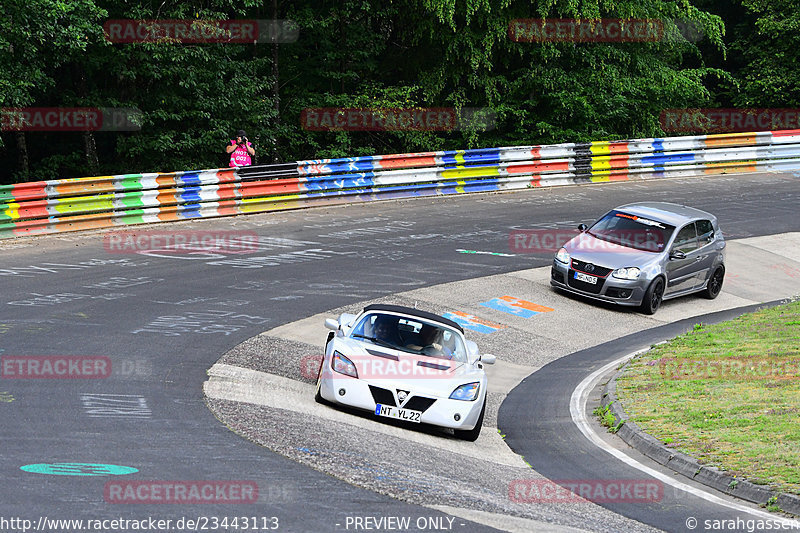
[(275, 85), (22, 150), (90, 149), (89, 146)]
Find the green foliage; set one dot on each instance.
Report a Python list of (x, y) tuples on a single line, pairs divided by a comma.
[(767, 40), (607, 418), (374, 54)]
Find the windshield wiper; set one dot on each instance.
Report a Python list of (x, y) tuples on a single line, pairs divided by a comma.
[(376, 341)]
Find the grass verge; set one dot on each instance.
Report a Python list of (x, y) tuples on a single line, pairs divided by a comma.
[(727, 394)]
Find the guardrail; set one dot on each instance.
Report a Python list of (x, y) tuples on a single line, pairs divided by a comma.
[(109, 201)]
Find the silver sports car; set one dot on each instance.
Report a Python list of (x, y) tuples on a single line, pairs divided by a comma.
[(639, 254), (405, 364)]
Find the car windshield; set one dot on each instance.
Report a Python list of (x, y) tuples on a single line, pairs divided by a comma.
[(412, 335), (632, 231)]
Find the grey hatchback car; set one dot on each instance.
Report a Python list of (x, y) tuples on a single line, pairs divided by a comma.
[(639, 254)]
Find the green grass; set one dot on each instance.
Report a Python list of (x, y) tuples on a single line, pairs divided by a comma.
[(607, 418), (727, 394)]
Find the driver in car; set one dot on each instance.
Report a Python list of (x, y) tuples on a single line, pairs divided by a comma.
[(431, 340), (385, 329)]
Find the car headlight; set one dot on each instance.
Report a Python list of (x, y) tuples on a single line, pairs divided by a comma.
[(627, 273), (343, 365), (467, 392), (562, 256)]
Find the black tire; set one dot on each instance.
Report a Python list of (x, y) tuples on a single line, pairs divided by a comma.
[(714, 285), (317, 396), (472, 434), (653, 296)]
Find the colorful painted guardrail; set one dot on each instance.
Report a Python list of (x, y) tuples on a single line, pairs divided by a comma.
[(109, 201)]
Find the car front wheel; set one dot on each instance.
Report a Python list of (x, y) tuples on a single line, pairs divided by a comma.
[(653, 296), (472, 434), (317, 396), (714, 286)]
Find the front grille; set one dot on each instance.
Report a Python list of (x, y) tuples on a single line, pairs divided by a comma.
[(590, 268), (382, 396), (556, 275), (418, 403), (583, 286)]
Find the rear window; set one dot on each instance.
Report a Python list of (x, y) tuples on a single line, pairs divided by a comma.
[(632, 231)]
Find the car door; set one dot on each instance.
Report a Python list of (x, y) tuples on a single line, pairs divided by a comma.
[(706, 252), (682, 271)]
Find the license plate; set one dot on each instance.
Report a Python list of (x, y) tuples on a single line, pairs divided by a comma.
[(395, 412), (586, 278)]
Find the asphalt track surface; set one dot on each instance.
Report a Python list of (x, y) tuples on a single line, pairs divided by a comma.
[(547, 436), (163, 319)]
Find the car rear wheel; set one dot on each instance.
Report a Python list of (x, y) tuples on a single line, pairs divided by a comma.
[(653, 296), (714, 286), (472, 434)]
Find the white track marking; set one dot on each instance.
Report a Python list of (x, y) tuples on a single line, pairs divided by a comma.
[(577, 409)]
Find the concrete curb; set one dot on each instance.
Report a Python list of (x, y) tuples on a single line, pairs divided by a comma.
[(687, 465)]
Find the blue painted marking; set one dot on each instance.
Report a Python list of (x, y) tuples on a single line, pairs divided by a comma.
[(660, 159), (658, 145), (465, 323), (482, 155), (192, 178), (190, 194), (342, 181), (190, 211), (490, 184), (344, 164), (308, 451), (506, 307), (79, 469)]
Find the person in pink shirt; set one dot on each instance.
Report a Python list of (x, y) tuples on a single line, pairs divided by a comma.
[(240, 149)]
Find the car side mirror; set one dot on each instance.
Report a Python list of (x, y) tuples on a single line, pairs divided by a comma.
[(582, 227), (677, 254), (332, 324), (488, 358)]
